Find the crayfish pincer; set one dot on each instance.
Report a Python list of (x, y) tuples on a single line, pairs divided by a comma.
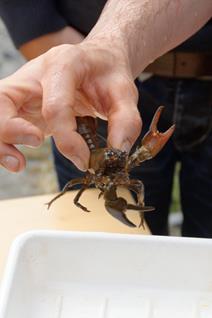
[(109, 168)]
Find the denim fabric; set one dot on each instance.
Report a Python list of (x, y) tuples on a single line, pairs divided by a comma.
[(188, 104)]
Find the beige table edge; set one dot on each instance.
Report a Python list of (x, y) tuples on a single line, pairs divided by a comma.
[(24, 214)]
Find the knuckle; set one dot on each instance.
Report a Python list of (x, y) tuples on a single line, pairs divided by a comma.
[(50, 109), (57, 51), (55, 108), (62, 55)]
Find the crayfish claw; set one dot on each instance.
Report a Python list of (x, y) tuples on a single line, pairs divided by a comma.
[(117, 208), (153, 126), (169, 132), (154, 140), (120, 216)]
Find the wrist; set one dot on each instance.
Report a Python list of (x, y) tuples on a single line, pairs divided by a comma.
[(113, 44), (124, 53), (121, 39)]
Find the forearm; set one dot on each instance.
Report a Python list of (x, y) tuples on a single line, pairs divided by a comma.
[(143, 30), (40, 45)]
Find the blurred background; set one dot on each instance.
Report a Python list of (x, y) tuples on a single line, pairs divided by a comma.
[(39, 176)]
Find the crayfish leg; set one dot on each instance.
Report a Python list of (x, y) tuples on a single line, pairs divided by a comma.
[(77, 197), (141, 209), (67, 187)]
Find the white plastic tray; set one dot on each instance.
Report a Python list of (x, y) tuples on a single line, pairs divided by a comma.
[(97, 275)]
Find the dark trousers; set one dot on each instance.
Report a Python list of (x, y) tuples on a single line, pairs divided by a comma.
[(188, 103)]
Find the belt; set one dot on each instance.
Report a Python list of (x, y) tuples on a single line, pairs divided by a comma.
[(182, 64)]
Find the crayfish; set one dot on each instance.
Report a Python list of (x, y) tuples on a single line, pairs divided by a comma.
[(109, 168)]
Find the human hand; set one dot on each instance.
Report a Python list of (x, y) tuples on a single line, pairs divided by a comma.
[(46, 94)]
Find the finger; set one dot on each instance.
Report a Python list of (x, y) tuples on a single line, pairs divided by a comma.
[(16, 130), (124, 121), (124, 127), (124, 124), (72, 145), (58, 104), (19, 131), (11, 158)]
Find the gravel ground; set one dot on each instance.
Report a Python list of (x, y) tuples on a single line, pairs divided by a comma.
[(39, 176)]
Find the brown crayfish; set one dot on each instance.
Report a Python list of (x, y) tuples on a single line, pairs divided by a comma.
[(109, 168)]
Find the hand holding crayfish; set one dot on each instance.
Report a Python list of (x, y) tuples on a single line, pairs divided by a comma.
[(109, 168), (44, 97)]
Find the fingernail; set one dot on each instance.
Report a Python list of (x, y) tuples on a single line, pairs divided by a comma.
[(10, 163), (29, 140), (79, 163), (126, 146)]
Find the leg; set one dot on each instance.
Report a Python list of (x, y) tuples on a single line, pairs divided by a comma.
[(138, 188), (196, 153), (141, 209), (196, 192), (67, 187), (76, 199)]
